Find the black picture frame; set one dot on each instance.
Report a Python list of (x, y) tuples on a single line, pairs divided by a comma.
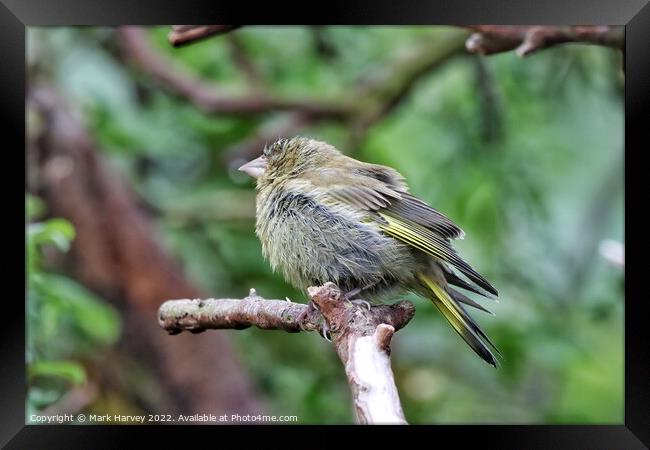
[(16, 15)]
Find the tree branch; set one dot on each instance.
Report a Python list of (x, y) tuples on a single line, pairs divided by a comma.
[(209, 97), (490, 39), (186, 34), (361, 104), (360, 336)]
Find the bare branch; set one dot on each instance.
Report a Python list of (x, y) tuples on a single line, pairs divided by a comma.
[(359, 105), (226, 313), (370, 98), (490, 39), (360, 336), (186, 34), (362, 341), (200, 315), (209, 97)]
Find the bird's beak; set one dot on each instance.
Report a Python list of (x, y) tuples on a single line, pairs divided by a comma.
[(254, 168)]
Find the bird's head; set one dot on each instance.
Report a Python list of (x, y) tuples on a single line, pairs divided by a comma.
[(289, 158)]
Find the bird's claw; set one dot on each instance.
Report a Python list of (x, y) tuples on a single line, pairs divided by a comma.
[(326, 331)]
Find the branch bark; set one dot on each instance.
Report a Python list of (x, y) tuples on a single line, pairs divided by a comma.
[(487, 39), (360, 336), (490, 39)]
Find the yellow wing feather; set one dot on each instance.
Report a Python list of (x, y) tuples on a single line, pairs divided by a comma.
[(459, 320)]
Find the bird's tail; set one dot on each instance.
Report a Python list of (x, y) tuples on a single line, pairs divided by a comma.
[(459, 319)]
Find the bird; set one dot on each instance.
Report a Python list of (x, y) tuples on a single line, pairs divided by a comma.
[(324, 216)]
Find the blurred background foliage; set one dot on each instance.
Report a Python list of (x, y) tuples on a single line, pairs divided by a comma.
[(525, 154), (65, 322)]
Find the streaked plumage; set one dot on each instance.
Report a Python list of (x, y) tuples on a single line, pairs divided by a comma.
[(323, 216)]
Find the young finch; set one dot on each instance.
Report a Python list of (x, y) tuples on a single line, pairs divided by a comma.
[(323, 216)]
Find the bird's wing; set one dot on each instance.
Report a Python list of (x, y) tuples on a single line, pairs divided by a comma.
[(415, 210), (431, 243), (382, 192), (373, 187), (408, 206)]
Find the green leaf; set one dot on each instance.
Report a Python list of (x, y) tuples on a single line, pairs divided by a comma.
[(95, 319), (58, 232), (71, 371), (35, 206)]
